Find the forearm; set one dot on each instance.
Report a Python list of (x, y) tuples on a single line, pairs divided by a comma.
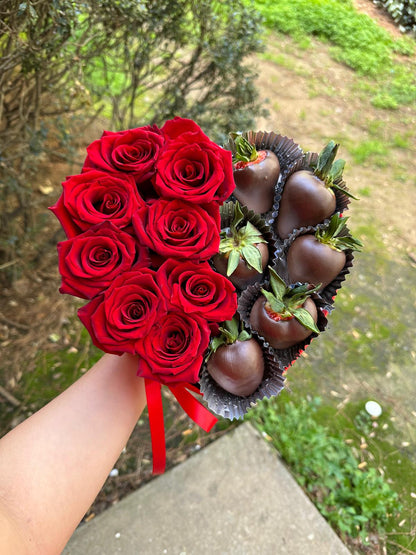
[(53, 465)]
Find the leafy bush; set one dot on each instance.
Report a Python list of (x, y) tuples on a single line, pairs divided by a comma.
[(354, 501), (138, 62), (403, 12)]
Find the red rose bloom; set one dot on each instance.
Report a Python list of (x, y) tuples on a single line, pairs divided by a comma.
[(124, 314), (192, 167), (172, 352), (89, 262), (133, 151), (197, 289), (96, 197), (178, 229)]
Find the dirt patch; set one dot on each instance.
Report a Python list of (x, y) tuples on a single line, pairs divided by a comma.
[(313, 99)]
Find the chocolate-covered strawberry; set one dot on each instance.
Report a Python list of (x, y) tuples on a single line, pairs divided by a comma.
[(243, 252), (308, 197), (286, 315), (255, 175), (320, 257), (236, 360)]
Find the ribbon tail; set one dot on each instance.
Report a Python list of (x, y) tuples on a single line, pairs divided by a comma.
[(157, 427), (193, 408)]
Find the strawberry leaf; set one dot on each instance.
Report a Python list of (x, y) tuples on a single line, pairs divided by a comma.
[(216, 342), (277, 284), (252, 256), (331, 235), (232, 327), (244, 150), (337, 170), (344, 191), (305, 318), (244, 336), (233, 260), (277, 306), (251, 234), (238, 217), (325, 160)]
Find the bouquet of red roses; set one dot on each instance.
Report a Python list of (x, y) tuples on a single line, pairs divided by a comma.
[(225, 295), (142, 220)]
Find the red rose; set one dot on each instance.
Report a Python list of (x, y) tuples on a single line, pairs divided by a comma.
[(174, 128), (124, 314), (172, 352), (133, 151), (197, 289), (95, 197), (89, 262), (178, 229), (192, 167)]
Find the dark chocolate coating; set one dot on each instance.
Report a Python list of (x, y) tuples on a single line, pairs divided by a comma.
[(255, 183), (238, 368), (284, 333), (310, 261), (306, 201)]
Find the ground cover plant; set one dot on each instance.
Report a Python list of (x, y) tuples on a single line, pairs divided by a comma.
[(354, 39), (353, 497)]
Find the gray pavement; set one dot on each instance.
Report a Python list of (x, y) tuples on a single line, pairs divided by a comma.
[(233, 497)]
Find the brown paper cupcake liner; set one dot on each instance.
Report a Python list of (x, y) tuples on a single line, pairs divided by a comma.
[(231, 406), (285, 356)]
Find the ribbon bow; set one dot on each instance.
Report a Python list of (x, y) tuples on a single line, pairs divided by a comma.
[(192, 406)]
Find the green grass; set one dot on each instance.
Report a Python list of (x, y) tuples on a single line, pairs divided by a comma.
[(355, 40), (341, 459)]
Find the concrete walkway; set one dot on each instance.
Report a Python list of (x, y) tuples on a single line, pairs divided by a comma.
[(233, 497)]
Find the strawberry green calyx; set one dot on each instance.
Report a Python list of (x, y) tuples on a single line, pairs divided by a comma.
[(336, 235), (330, 170), (286, 301), (244, 150), (239, 242), (231, 331)]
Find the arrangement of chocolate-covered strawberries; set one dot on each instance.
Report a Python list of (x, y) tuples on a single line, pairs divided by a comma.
[(286, 248)]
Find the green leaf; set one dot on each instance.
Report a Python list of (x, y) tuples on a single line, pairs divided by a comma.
[(325, 159), (331, 235), (232, 327), (233, 260), (304, 318), (244, 336), (277, 284), (347, 193), (275, 304), (238, 216), (337, 170), (216, 342), (251, 234), (244, 150), (252, 256)]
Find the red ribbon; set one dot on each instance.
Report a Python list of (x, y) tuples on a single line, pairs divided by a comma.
[(192, 406)]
